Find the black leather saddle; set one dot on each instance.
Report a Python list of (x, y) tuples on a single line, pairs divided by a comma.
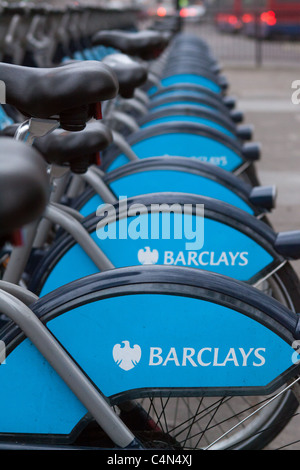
[(130, 74), (78, 150), (67, 93), (144, 44)]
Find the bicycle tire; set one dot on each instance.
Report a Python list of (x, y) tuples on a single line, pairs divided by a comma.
[(175, 281), (272, 424)]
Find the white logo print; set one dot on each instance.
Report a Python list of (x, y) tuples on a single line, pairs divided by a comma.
[(147, 256), (126, 357)]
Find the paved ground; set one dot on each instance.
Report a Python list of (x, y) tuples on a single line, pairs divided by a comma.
[(264, 95), (241, 50)]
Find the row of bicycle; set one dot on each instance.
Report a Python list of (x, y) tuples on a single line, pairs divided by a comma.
[(150, 295)]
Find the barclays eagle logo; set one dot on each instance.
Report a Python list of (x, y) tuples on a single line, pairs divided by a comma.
[(125, 356), (147, 256)]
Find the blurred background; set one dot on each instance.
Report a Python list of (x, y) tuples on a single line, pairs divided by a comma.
[(242, 31), (239, 31)]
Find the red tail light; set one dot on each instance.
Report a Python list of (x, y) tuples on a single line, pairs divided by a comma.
[(247, 18), (161, 11), (183, 13), (269, 17), (232, 19)]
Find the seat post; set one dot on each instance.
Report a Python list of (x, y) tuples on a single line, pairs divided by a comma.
[(32, 128), (27, 132)]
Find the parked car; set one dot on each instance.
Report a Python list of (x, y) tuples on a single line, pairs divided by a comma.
[(193, 13)]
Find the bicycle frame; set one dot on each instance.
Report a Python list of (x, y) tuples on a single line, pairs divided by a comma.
[(27, 132)]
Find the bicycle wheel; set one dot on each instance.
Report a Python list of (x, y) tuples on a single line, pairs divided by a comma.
[(223, 224), (190, 423), (181, 413)]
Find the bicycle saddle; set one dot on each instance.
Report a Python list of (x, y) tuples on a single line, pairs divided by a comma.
[(130, 74), (24, 186), (77, 150), (145, 44), (67, 93)]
